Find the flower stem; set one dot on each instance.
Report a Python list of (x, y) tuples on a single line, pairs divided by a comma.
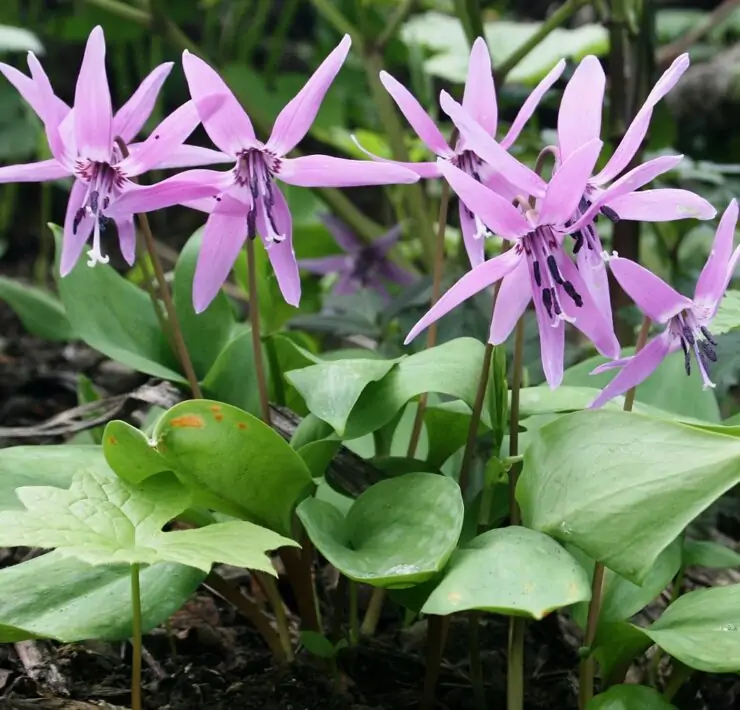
[(437, 636), (680, 673), (476, 667), (354, 623), (395, 22), (588, 669), (254, 316), (372, 614), (136, 638), (270, 588)]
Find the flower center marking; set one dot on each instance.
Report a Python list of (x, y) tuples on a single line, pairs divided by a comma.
[(255, 169)]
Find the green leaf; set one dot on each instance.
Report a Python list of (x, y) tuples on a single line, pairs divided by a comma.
[(621, 486), (705, 553), (41, 312), (482, 575), (702, 629), (616, 646), (18, 39), (102, 520), (728, 315), (398, 533), (206, 333), (629, 697), (317, 644), (130, 454), (447, 429), (63, 598), (245, 467), (115, 317)]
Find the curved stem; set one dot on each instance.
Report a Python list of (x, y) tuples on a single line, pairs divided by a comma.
[(254, 316), (372, 614), (136, 638), (354, 621), (270, 588)]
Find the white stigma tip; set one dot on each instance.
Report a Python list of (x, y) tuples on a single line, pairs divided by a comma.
[(607, 257), (96, 257)]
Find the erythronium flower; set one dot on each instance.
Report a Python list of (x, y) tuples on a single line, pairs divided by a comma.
[(579, 121), (535, 268), (363, 265), (82, 141), (479, 100), (251, 203), (687, 321)]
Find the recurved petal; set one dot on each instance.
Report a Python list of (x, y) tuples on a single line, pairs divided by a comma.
[(342, 234), (655, 298), (33, 172), (479, 98), (296, 118), (393, 272), (473, 241), (637, 368), (127, 238), (662, 205), (712, 281), (424, 170), (74, 240), (552, 345), (132, 116), (382, 245), (93, 109), (513, 298), (326, 264), (327, 171), (481, 277), (27, 88), (579, 119), (416, 116), (593, 271), (191, 156)]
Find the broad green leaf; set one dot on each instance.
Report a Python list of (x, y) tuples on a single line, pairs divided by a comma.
[(621, 486), (630, 697), (331, 389), (705, 553), (728, 314), (40, 311), (513, 571), (205, 333), (115, 317), (63, 598), (236, 459), (447, 428), (43, 466), (398, 533), (101, 519), (130, 454), (702, 629), (616, 646), (317, 455), (317, 644)]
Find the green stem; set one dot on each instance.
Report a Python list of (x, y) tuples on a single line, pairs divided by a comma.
[(254, 316), (436, 639), (277, 40), (334, 16), (468, 11), (680, 673), (269, 586), (515, 670), (354, 621), (136, 638), (558, 18), (122, 10), (372, 614), (476, 667), (255, 33), (395, 22), (46, 251)]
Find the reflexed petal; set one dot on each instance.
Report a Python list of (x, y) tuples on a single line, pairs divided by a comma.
[(27, 88), (296, 118), (127, 238), (382, 245), (499, 215), (579, 119), (345, 286), (552, 346), (327, 171), (282, 254), (568, 183), (479, 99), (662, 205), (712, 281), (132, 116), (192, 156), (326, 264), (342, 234), (481, 277), (74, 241), (489, 150), (416, 116), (655, 298), (393, 272), (531, 103), (637, 130), (229, 128), (513, 298), (474, 246), (638, 368), (593, 271), (93, 110), (33, 172), (424, 170)]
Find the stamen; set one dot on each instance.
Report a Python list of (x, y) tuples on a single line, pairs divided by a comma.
[(708, 350), (686, 356), (553, 267), (578, 236), (574, 295), (610, 214), (79, 216), (708, 335), (94, 195), (547, 301), (556, 303), (537, 274), (688, 335)]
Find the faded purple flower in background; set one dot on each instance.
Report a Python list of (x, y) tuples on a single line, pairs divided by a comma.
[(363, 266), (687, 321), (82, 141), (479, 101), (535, 268), (250, 202)]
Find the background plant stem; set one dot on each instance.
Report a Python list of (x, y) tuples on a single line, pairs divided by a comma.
[(136, 638), (254, 317), (373, 611), (270, 588)]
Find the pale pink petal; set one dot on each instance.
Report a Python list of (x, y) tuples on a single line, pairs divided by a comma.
[(223, 238), (568, 183), (499, 215), (326, 264), (29, 91), (579, 119), (489, 150), (132, 116), (426, 170), (33, 172), (552, 345), (229, 127), (595, 276), (611, 365), (342, 234), (393, 272), (282, 254), (417, 117), (655, 298), (662, 205), (296, 118), (513, 298), (192, 156), (93, 110), (345, 286), (382, 245), (74, 241), (712, 281), (531, 103), (327, 171), (638, 368), (479, 99), (474, 245), (479, 278), (630, 143), (127, 238)]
